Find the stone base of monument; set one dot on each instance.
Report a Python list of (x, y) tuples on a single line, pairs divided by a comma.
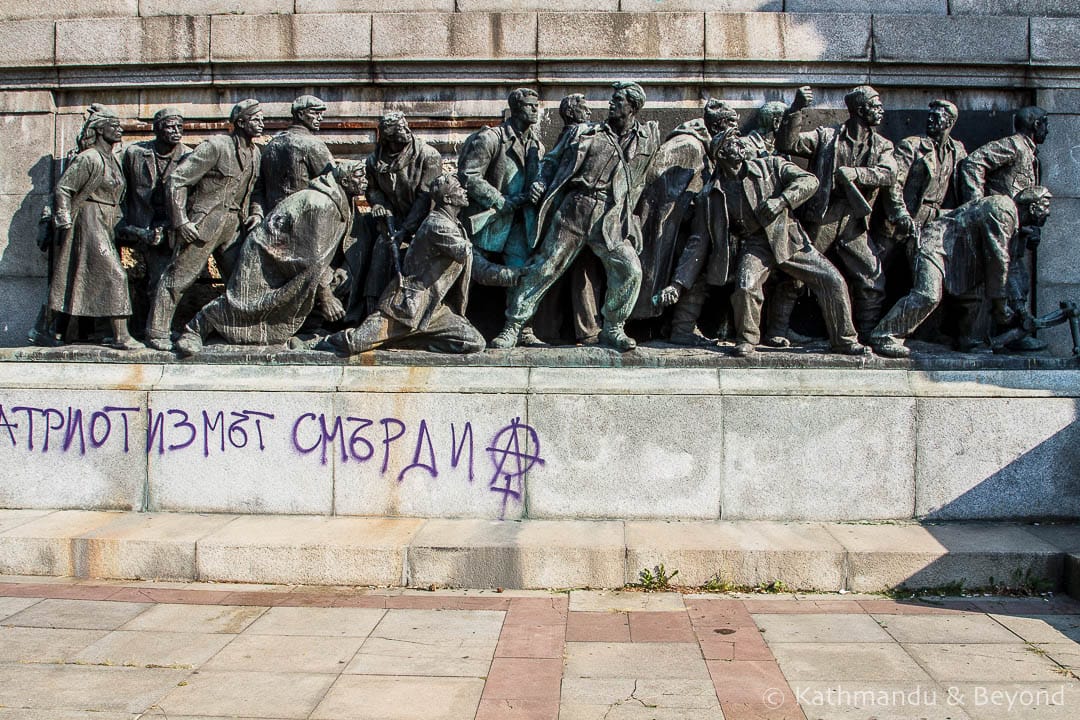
[(692, 435), (537, 553)]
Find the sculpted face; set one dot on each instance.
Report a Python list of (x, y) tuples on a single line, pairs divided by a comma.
[(1040, 130), (112, 132), (872, 112), (253, 125), (170, 131), (355, 182), (580, 112), (455, 194), (528, 111), (620, 109), (311, 118), (1038, 212), (397, 134), (938, 122)]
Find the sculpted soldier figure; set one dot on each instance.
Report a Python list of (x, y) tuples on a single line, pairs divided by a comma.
[(147, 165), (747, 204), (852, 161), (294, 156), (212, 196), (399, 173), (497, 165), (425, 304), (281, 273), (88, 279), (926, 166), (763, 139), (590, 184), (675, 175), (970, 246), (1005, 167)]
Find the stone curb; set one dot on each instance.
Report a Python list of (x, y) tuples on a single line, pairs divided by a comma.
[(532, 554)]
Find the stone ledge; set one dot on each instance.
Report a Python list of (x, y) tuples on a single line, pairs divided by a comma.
[(645, 35), (1053, 41), (302, 38), (149, 8), (133, 41), (787, 37), (27, 43), (57, 9), (967, 39), (443, 36), (529, 554)]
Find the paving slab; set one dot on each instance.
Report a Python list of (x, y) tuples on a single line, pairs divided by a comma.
[(299, 654), (430, 642), (13, 518), (1066, 654), (1042, 628), (178, 650), (400, 698), (804, 555), (227, 619), (11, 605), (330, 551), (659, 693), (984, 662), (813, 628), (145, 546), (848, 662), (920, 556), (268, 695), (961, 629), (78, 687), (44, 546), (44, 645), (1010, 700), (323, 622), (880, 701), (597, 627), (632, 660), (624, 601), (77, 614), (533, 554)]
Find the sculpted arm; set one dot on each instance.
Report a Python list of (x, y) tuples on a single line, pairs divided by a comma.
[(476, 156), (74, 179), (975, 169), (430, 168), (187, 174)]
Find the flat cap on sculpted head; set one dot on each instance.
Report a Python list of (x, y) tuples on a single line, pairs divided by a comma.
[(307, 102), (167, 112), (244, 109)]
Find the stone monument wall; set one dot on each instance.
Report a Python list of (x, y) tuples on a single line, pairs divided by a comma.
[(450, 64)]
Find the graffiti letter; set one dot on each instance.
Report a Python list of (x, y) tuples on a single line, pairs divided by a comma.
[(431, 467), (183, 422), (456, 449), (355, 439), (386, 422)]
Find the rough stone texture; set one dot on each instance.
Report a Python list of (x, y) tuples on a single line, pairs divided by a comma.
[(814, 381), (373, 6), (25, 102), (615, 35), (262, 38), (805, 556), (26, 166), (818, 458), (133, 41), (533, 554), (1058, 249), (242, 478), (632, 456), (996, 383), (332, 551), (215, 7), (699, 5), (19, 227), (381, 475), (21, 299), (788, 36), (1015, 7), (870, 7), (240, 378), (549, 6), (13, 518), (40, 472), (1053, 41), (27, 43), (145, 546), (414, 379), (931, 39), (68, 376), (30, 9), (616, 381), (993, 458), (1062, 177), (881, 557), (417, 36), (44, 546)]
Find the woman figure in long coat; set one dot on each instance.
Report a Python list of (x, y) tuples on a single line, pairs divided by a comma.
[(88, 279)]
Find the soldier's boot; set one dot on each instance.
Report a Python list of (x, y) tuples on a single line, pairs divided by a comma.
[(507, 337), (684, 318), (527, 338), (778, 325), (615, 337)]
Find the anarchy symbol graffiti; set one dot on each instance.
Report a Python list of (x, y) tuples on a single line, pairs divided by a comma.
[(514, 450)]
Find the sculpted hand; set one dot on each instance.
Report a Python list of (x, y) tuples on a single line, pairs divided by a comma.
[(379, 211), (188, 234), (251, 222), (536, 191), (771, 209), (905, 227), (668, 296), (804, 97), (846, 173)]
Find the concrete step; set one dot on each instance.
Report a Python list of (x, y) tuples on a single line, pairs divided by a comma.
[(469, 553)]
